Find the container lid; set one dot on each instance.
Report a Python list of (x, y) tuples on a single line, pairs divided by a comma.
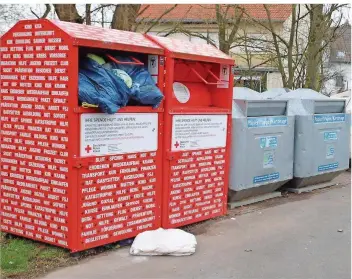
[(192, 51), (274, 92), (245, 93), (302, 93)]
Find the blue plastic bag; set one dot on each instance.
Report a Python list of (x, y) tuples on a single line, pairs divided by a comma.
[(91, 93), (99, 86), (144, 90)]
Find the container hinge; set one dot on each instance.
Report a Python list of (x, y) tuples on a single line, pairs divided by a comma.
[(78, 165), (173, 155), (82, 163)]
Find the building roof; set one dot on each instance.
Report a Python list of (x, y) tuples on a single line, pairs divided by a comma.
[(199, 13), (340, 49)]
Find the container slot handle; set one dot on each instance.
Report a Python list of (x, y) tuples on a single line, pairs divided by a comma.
[(205, 81), (136, 61)]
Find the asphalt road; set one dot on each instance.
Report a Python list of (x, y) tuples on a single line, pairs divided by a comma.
[(298, 238)]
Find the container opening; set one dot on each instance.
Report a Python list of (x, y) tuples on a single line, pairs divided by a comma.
[(329, 106), (266, 108), (200, 84), (111, 80)]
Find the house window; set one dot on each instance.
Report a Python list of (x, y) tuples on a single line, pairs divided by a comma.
[(340, 54), (339, 81)]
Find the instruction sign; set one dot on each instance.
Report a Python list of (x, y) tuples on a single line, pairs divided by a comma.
[(330, 151), (268, 160), (266, 142), (153, 67), (191, 132), (266, 177), (224, 76), (153, 64), (268, 121), (104, 134), (329, 118), (330, 136)]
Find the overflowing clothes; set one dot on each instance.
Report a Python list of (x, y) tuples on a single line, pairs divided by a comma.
[(110, 86)]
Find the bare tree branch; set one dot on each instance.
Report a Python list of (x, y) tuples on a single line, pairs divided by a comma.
[(159, 18), (277, 47), (34, 14), (143, 10), (46, 13)]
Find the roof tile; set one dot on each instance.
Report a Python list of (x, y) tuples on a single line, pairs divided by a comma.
[(199, 12)]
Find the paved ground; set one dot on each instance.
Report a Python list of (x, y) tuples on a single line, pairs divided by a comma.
[(295, 238)]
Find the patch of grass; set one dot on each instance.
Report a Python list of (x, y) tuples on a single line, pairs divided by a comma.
[(16, 255), (24, 258), (52, 252)]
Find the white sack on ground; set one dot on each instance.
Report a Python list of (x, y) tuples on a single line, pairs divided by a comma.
[(173, 242)]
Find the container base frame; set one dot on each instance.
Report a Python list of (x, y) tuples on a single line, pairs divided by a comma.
[(311, 188), (232, 205)]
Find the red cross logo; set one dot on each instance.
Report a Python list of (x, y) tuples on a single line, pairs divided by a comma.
[(88, 149), (176, 144)]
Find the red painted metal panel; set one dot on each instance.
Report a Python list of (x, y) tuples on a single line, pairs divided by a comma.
[(197, 189), (48, 191), (195, 180), (120, 196), (36, 74)]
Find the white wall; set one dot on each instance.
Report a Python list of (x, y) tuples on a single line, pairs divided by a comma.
[(273, 80)]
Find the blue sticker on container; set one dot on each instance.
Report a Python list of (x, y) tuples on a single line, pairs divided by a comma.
[(329, 118), (328, 167), (269, 157), (270, 121), (267, 177), (330, 136), (268, 142), (330, 151)]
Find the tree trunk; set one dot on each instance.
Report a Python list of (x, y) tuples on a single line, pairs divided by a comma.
[(125, 16), (88, 15), (227, 25), (291, 70), (68, 12), (315, 42)]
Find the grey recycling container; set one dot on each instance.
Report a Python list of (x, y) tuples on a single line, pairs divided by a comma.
[(322, 136), (262, 146)]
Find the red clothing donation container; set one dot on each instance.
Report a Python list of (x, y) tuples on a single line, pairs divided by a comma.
[(197, 131), (70, 176)]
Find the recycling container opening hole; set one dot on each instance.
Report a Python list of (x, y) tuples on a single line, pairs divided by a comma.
[(128, 59), (200, 84)]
